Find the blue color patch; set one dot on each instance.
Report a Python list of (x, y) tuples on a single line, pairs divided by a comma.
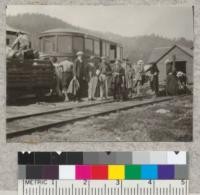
[(149, 172)]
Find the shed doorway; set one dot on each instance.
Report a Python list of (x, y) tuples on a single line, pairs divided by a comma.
[(180, 66)]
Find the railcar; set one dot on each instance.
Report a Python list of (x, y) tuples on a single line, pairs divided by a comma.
[(65, 43)]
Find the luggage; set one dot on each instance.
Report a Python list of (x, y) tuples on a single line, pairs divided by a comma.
[(29, 54)]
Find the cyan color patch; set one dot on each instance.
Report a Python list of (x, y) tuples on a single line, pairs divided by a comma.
[(149, 172)]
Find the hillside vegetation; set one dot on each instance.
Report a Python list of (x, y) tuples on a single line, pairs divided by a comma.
[(135, 48)]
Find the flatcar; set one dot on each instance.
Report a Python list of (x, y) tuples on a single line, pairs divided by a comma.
[(27, 76)]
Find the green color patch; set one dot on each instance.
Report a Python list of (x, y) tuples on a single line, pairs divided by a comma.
[(132, 171)]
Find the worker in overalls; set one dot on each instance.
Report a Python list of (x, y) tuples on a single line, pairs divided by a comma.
[(92, 78), (118, 81), (139, 72), (105, 72)]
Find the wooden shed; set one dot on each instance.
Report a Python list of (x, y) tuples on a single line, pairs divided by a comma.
[(183, 57), (11, 34)]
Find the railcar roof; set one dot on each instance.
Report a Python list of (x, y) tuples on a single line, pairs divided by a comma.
[(68, 30)]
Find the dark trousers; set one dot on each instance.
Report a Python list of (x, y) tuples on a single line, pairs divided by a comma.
[(155, 85), (79, 94), (118, 92)]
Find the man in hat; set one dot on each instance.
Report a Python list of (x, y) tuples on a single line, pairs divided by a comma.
[(79, 74), (138, 76), (171, 80), (154, 81), (92, 78), (105, 71), (118, 81), (129, 75)]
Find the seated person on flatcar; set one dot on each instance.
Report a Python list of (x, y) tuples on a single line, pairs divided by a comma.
[(21, 45)]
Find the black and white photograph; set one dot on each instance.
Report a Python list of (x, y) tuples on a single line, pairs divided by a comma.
[(99, 73)]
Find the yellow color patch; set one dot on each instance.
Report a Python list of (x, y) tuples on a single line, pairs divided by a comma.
[(116, 172)]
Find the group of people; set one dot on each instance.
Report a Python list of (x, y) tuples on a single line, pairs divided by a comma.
[(119, 79)]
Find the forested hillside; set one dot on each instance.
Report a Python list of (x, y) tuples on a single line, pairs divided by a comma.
[(135, 48)]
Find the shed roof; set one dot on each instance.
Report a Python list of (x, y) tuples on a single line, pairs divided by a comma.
[(158, 53), (14, 30), (11, 29)]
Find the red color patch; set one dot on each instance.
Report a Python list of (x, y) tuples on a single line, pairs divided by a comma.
[(99, 172)]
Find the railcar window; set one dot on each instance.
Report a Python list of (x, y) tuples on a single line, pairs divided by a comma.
[(121, 51), (107, 49), (89, 45), (78, 43), (118, 52), (113, 52), (65, 44), (96, 47), (7, 41), (103, 48), (49, 44)]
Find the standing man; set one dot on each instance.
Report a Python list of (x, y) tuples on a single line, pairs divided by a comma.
[(138, 76), (92, 79), (105, 71), (58, 86), (154, 83), (129, 75), (79, 74), (119, 81)]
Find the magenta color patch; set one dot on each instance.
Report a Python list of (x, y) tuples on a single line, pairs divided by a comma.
[(83, 172)]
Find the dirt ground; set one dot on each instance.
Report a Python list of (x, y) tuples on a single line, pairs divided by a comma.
[(166, 121)]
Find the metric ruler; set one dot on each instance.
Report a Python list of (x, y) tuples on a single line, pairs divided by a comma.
[(103, 187)]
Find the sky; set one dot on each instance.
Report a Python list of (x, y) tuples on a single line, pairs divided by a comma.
[(171, 22)]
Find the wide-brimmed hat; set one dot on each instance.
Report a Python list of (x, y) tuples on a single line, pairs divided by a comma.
[(79, 53), (125, 59), (118, 60), (103, 57), (140, 62), (92, 57)]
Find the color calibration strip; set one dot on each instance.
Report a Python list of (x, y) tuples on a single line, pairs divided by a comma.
[(106, 158), (103, 172), (103, 165)]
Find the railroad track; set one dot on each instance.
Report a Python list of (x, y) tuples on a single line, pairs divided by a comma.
[(26, 124), (56, 110)]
